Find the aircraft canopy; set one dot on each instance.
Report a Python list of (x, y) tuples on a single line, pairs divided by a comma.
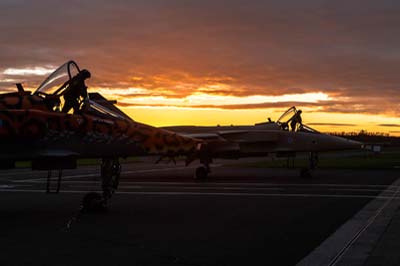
[(55, 85), (57, 82), (287, 116)]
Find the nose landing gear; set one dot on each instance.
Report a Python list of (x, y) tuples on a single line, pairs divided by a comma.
[(203, 171), (110, 174), (313, 162)]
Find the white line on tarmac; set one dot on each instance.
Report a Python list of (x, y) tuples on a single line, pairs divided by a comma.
[(225, 186), (345, 247), (6, 186), (229, 194), (281, 187), (124, 173), (168, 183)]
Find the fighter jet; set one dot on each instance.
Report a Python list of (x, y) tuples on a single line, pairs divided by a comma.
[(59, 123), (284, 138)]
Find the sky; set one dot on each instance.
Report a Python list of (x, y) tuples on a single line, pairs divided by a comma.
[(217, 62)]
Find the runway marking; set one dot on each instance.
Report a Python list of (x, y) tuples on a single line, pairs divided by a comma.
[(335, 248), (226, 186), (149, 186), (371, 220), (229, 194), (362, 189), (193, 187), (6, 186), (168, 183), (123, 173)]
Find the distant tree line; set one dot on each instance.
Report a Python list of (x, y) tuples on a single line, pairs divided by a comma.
[(369, 137)]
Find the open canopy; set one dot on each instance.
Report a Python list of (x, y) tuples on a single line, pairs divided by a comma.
[(56, 82), (287, 116)]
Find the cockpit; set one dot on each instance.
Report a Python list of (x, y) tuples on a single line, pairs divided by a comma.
[(286, 120), (54, 88), (57, 81), (57, 86)]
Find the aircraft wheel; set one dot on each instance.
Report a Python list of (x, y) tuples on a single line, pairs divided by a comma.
[(201, 173), (305, 173), (93, 202)]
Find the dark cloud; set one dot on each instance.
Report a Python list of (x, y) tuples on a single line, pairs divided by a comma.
[(177, 47), (389, 125), (228, 106), (334, 106)]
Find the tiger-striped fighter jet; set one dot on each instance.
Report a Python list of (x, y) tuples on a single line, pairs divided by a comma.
[(60, 123)]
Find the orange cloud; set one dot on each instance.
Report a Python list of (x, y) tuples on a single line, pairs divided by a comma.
[(157, 54)]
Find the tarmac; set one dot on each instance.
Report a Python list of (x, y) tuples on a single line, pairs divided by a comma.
[(239, 216)]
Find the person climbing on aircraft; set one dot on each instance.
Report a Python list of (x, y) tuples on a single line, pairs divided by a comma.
[(76, 90), (296, 119), (52, 103)]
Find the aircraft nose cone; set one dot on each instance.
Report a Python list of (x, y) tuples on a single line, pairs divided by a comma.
[(350, 144)]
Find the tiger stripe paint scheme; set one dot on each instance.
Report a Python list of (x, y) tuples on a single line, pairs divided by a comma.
[(26, 124)]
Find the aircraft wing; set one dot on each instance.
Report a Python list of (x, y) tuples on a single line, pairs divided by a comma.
[(54, 159), (239, 136), (57, 153), (250, 136), (236, 143), (203, 136), (43, 159)]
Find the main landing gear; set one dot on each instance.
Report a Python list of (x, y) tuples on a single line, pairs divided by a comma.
[(203, 171), (110, 174), (96, 202), (313, 162)]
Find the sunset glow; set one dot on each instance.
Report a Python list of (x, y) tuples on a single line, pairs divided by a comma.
[(331, 122), (208, 63), (134, 97), (38, 71)]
